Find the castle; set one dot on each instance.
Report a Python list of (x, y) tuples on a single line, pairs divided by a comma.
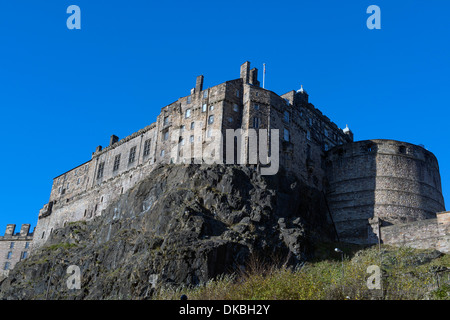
[(369, 185)]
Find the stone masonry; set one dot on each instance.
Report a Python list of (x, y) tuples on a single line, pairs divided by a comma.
[(14, 247), (368, 184)]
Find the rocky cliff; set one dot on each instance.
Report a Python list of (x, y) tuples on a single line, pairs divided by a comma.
[(183, 224)]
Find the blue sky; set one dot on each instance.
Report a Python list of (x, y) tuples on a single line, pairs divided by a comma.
[(63, 92)]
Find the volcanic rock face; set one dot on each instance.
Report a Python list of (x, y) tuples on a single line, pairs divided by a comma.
[(183, 224)]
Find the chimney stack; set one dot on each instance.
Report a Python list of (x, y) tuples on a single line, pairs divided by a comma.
[(254, 77), (24, 230), (245, 71), (199, 84), (10, 229), (113, 139)]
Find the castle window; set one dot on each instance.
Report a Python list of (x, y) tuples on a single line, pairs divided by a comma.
[(235, 108), (11, 245), (162, 153), (256, 122), (60, 189), (7, 265), (286, 116), (189, 99), (256, 106), (27, 245), (9, 255), (211, 108), (237, 93), (286, 135), (211, 119), (208, 133), (188, 113), (132, 155), (205, 94), (76, 172), (191, 139), (325, 147), (116, 162), (166, 135), (192, 125), (308, 135), (79, 180), (166, 120), (230, 119), (204, 107), (182, 128), (325, 132), (147, 147), (402, 149), (24, 255), (310, 121), (101, 166), (86, 167)]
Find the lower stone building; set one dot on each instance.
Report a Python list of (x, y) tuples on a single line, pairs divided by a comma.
[(14, 247)]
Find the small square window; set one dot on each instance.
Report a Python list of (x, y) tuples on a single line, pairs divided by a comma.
[(235, 108), (256, 106)]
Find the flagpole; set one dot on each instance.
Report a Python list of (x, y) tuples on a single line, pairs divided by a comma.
[(264, 74)]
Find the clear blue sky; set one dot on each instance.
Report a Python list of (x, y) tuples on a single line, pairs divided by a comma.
[(63, 92)]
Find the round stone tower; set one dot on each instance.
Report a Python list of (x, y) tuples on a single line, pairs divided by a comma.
[(380, 181)]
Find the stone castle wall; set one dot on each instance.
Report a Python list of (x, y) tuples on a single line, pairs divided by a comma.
[(186, 124), (393, 181), (423, 234), (366, 182)]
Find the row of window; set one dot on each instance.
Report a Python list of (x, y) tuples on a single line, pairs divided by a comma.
[(23, 255), (131, 158), (205, 95), (76, 172), (12, 245)]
